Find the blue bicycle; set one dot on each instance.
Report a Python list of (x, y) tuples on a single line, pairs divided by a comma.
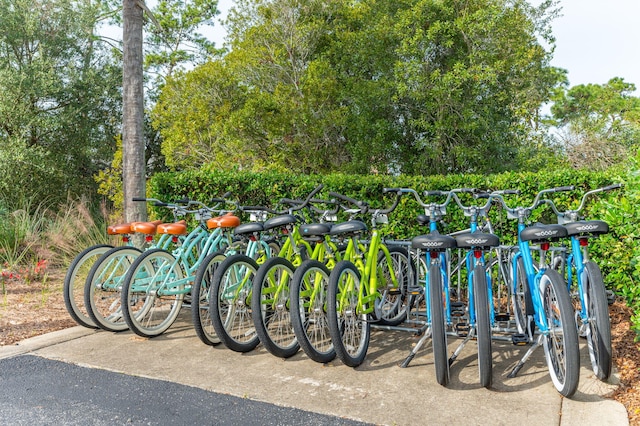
[(541, 298), (587, 290)]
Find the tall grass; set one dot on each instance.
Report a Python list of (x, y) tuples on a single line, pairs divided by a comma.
[(32, 232)]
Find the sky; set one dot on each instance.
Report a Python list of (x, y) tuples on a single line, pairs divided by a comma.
[(596, 40)]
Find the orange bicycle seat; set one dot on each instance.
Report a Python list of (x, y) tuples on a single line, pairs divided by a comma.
[(147, 228), (178, 228), (226, 221), (122, 228)]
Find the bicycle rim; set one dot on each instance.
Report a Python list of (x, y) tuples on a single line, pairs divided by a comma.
[(598, 322), (483, 326), (308, 310), (200, 294), (148, 308), (270, 304), (561, 340), (392, 306), (438, 326), (74, 283), (230, 303), (349, 329), (103, 287)]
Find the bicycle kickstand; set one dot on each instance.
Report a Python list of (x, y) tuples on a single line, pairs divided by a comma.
[(416, 348), (526, 356)]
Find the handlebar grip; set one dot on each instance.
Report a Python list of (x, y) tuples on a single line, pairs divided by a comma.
[(611, 187), (182, 201), (259, 208), (138, 199), (511, 191), (291, 201), (481, 195), (226, 194), (564, 188), (432, 193), (466, 190), (160, 204), (348, 199), (218, 200), (387, 190)]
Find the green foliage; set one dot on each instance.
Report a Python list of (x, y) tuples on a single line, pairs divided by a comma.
[(601, 123), (384, 87), (59, 97)]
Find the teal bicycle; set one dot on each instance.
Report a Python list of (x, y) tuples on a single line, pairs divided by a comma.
[(156, 284)]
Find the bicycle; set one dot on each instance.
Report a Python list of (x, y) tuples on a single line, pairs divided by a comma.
[(540, 297), (441, 311), (360, 288), (308, 290), (271, 284), (154, 288), (104, 280), (230, 283), (73, 287), (588, 292)]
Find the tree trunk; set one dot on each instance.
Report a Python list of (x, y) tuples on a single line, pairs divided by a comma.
[(133, 162)]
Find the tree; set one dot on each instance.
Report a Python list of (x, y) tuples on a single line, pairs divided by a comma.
[(59, 96), (599, 124), (389, 87), (133, 161)]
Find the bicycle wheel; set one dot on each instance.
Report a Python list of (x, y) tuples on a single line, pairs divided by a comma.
[(73, 289), (349, 329), (561, 341), (392, 306), (598, 322), (151, 299), (438, 327), (308, 310), (200, 293), (522, 303), (104, 284), (270, 307), (230, 303), (483, 326)]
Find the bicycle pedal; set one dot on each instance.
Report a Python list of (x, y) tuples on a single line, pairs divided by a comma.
[(394, 291), (611, 297), (415, 291), (519, 339), (458, 309), (462, 329), (502, 317)]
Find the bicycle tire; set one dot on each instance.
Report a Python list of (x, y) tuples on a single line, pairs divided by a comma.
[(74, 280), (598, 322), (200, 294), (230, 303), (393, 306), (483, 326), (350, 332), (522, 302), (104, 284), (438, 326), (308, 310), (146, 309), (271, 315), (561, 341)]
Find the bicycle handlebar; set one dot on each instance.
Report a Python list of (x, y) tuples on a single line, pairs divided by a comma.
[(522, 212), (300, 206), (572, 215)]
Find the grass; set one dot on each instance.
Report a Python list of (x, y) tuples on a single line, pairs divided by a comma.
[(34, 236)]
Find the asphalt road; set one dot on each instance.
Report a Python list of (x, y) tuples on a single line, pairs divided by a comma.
[(39, 391)]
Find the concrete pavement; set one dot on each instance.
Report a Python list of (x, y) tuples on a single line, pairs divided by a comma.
[(379, 391)]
